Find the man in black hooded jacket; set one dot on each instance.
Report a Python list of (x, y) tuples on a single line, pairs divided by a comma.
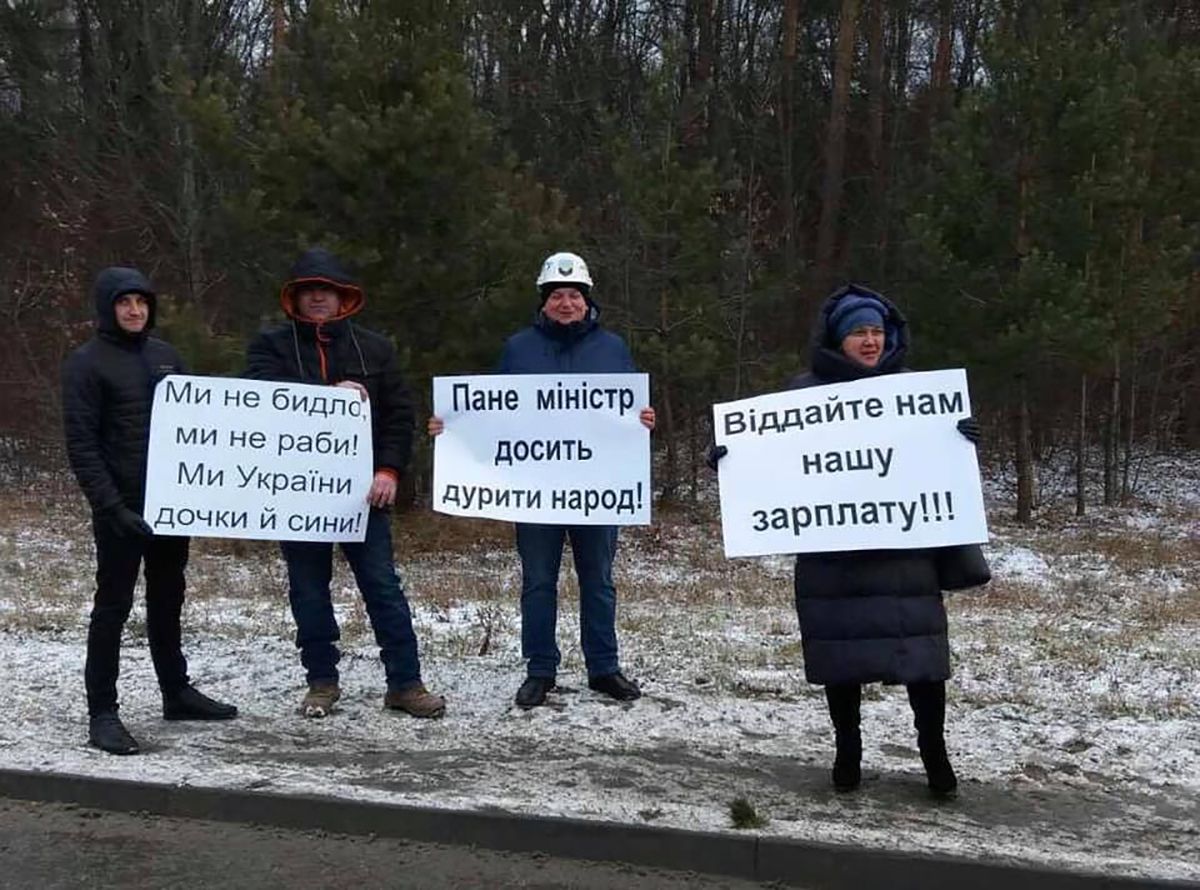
[(319, 344), (108, 390)]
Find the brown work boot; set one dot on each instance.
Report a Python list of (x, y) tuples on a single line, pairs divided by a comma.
[(319, 700), (415, 700)]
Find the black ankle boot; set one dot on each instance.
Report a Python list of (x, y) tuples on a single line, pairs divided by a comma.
[(844, 703), (189, 703), (106, 732), (942, 781), (533, 692), (928, 702), (847, 764), (616, 686)]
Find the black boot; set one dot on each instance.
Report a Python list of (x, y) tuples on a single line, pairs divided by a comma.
[(844, 710), (188, 703), (616, 686), (928, 701), (533, 692), (942, 781), (106, 732)]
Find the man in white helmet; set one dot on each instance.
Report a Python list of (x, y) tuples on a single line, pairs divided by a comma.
[(566, 338)]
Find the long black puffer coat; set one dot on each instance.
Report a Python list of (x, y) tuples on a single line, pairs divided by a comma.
[(108, 390), (304, 351), (868, 615)]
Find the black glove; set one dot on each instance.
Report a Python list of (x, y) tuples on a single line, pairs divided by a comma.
[(715, 453), (969, 427), (128, 524)]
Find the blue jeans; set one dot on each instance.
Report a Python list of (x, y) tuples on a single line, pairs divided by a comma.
[(593, 547), (310, 568)]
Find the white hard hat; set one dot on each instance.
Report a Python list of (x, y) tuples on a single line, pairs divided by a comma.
[(565, 268)]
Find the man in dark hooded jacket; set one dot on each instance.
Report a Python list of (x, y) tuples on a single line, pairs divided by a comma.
[(108, 391), (319, 344), (566, 338), (872, 615)]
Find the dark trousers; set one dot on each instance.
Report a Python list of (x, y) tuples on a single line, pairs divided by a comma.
[(927, 700), (593, 547), (117, 562), (310, 569)]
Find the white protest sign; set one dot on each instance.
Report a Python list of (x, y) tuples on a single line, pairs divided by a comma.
[(562, 449), (874, 464), (261, 460)]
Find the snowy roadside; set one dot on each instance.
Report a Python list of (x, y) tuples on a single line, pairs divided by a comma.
[(1075, 707)]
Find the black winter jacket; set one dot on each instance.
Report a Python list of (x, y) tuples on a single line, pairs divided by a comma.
[(868, 615), (308, 352), (108, 390)]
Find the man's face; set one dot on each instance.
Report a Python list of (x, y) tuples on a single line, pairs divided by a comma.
[(864, 345), (565, 305), (133, 312), (318, 303)]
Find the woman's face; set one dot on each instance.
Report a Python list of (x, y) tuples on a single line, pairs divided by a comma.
[(864, 345), (565, 305)]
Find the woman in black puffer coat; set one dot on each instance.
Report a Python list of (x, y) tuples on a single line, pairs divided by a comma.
[(873, 615)]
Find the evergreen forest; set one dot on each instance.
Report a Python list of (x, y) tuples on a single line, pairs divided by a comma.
[(1022, 178)]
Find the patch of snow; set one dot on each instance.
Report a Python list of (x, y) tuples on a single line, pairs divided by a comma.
[(1074, 713)]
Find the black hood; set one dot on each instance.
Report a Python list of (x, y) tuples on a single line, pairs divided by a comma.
[(112, 283), (827, 360), (320, 265)]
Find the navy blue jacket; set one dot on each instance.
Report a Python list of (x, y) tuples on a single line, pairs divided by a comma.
[(546, 347), (868, 615), (108, 390)]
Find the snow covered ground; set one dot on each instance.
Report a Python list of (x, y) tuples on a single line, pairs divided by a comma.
[(1074, 711)]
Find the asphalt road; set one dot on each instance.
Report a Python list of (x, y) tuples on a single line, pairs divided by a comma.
[(53, 846)]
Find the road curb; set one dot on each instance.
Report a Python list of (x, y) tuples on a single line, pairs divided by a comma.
[(750, 857)]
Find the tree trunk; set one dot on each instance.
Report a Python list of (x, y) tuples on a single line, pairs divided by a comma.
[(1081, 450), (787, 145), (1159, 428), (835, 148), (747, 286), (702, 72), (190, 214), (970, 37), (1112, 433), (1129, 418), (876, 87), (87, 66), (278, 26), (940, 76), (1024, 456), (670, 478), (697, 438), (902, 37), (896, 78), (1081, 432)]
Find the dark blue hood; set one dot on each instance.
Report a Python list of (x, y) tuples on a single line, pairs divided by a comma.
[(112, 283), (829, 363)]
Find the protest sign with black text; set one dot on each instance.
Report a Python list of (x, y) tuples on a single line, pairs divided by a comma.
[(253, 459), (871, 464), (562, 449)]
